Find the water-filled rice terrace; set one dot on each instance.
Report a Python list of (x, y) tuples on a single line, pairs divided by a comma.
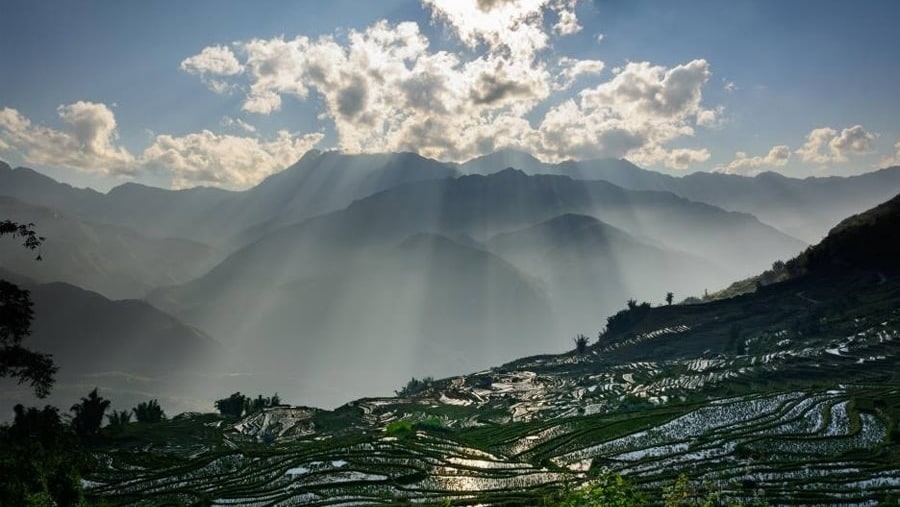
[(817, 447), (806, 411)]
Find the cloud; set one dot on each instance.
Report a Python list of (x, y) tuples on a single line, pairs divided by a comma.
[(224, 160), (216, 60), (502, 25), (826, 145), (212, 62), (682, 158), (88, 144), (633, 115), (237, 123), (88, 141), (572, 68), (711, 118), (778, 156), (568, 21), (894, 159), (385, 89)]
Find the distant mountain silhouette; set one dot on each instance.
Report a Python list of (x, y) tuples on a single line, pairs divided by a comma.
[(805, 208), (115, 261), (317, 183), (128, 348)]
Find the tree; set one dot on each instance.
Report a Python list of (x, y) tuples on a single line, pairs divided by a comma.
[(119, 418), (581, 343), (89, 414), (40, 460), (16, 315), (232, 407), (415, 386), (669, 298), (149, 412)]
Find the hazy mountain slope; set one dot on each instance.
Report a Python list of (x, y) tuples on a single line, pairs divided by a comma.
[(344, 325), (115, 261), (805, 208), (353, 279), (788, 395), (482, 206), (317, 183), (589, 268), (324, 182), (122, 346)]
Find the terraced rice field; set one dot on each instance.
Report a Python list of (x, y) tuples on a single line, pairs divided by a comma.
[(815, 447), (807, 413)]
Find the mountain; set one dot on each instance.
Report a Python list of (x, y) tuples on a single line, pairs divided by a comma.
[(502, 159), (589, 266), (123, 346), (317, 183), (113, 260), (788, 395), (805, 208), (867, 240), (406, 269), (344, 320)]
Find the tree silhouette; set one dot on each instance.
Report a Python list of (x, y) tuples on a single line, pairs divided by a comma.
[(581, 343), (119, 418), (40, 460), (233, 406), (16, 315), (669, 298), (89, 414), (149, 412)]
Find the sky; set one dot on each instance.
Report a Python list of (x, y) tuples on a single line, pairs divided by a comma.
[(224, 93)]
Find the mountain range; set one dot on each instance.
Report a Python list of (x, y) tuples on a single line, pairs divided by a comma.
[(443, 268)]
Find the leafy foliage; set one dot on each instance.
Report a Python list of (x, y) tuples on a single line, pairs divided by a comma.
[(625, 320), (26, 231), (149, 412), (608, 490), (40, 460), (237, 404), (89, 415), (118, 418), (16, 315), (581, 343), (232, 407), (253, 406), (400, 429), (415, 386)]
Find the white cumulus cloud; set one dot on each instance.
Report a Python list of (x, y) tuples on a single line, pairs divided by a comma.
[(224, 160), (87, 142), (778, 156), (825, 145)]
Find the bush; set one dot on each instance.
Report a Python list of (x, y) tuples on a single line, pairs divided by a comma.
[(40, 460), (581, 343), (149, 412), (400, 429), (415, 386), (608, 490)]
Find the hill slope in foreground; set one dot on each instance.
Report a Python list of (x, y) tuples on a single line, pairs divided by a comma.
[(790, 394)]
